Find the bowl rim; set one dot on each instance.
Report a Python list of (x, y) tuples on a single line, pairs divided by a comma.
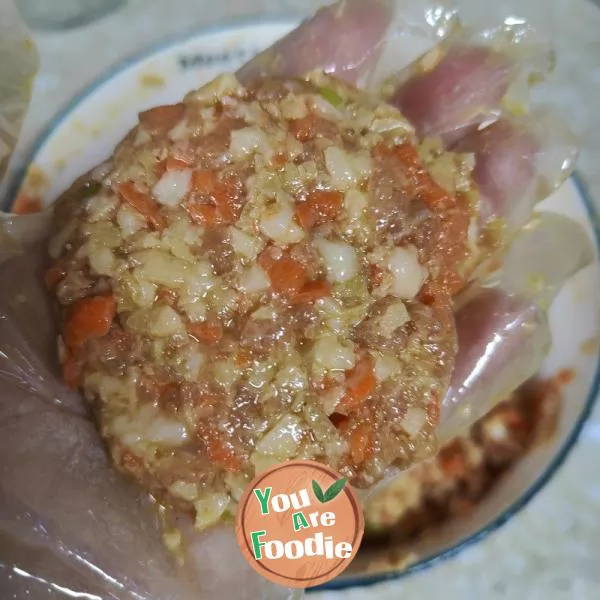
[(291, 19), (17, 178)]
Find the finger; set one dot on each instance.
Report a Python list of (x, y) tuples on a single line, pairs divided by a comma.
[(518, 162), (503, 333), (469, 77), (502, 341), (459, 92), (548, 251), (344, 38)]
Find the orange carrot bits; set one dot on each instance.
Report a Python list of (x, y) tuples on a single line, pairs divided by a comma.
[(206, 215), (71, 370), (312, 291), (90, 318), (304, 129), (143, 203), (209, 332), (54, 275), (203, 182), (361, 443), (319, 207), (220, 452), (287, 276), (360, 384)]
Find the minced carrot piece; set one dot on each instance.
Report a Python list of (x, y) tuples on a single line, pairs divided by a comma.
[(159, 169), (208, 331), (266, 259), (361, 443), (429, 190), (451, 460), (223, 194), (169, 164), (168, 296), (287, 276), (90, 318), (222, 454), (203, 182), (320, 207), (279, 160), (511, 417), (71, 370), (26, 205), (312, 291), (206, 215), (339, 421), (243, 357), (360, 384), (408, 155), (327, 204), (176, 164), (162, 119), (224, 197), (565, 376), (305, 215), (54, 275), (452, 248), (433, 194), (143, 203), (433, 413), (304, 129)]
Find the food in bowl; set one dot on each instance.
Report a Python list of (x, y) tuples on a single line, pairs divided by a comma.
[(263, 273), (465, 470)]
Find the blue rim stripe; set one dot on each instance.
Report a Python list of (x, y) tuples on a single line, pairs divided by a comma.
[(594, 216)]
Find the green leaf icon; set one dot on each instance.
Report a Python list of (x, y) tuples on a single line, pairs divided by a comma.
[(335, 489), (331, 493), (318, 491)]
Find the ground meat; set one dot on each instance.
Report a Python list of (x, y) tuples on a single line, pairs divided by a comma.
[(261, 336), (218, 250), (465, 470), (259, 274)]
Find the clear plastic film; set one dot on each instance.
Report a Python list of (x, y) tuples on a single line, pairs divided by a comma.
[(71, 522), (473, 90), (70, 525), (501, 320)]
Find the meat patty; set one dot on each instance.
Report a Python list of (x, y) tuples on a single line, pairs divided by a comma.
[(259, 274)]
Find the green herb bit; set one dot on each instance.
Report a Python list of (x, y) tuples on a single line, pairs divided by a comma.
[(89, 189), (331, 96)]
